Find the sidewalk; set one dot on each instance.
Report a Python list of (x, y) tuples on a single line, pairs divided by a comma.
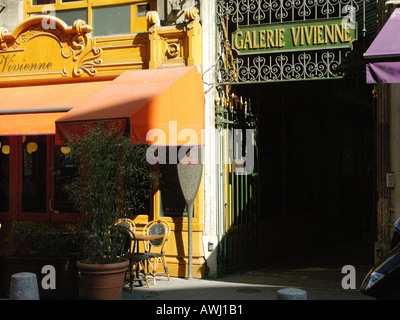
[(317, 271), (262, 284)]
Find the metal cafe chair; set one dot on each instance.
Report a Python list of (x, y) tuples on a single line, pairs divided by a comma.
[(137, 261), (156, 247), (127, 224)]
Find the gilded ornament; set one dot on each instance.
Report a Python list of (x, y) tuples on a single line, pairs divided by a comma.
[(191, 13), (173, 50), (153, 18)]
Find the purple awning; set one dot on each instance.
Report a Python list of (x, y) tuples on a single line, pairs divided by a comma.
[(383, 56)]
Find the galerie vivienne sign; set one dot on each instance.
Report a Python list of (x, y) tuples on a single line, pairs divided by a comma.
[(284, 40), (294, 36)]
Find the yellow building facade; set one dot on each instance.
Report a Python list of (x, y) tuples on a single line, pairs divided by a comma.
[(62, 57)]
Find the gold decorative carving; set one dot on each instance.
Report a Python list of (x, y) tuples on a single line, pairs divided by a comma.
[(49, 48), (173, 50), (192, 16), (87, 56), (191, 13), (3, 35), (153, 20)]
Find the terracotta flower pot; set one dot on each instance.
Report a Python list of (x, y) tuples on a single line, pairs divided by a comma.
[(103, 281)]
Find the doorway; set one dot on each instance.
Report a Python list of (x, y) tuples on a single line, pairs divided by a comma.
[(24, 163), (316, 165), (30, 189)]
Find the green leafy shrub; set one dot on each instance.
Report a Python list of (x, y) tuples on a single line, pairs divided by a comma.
[(113, 179), (35, 239)]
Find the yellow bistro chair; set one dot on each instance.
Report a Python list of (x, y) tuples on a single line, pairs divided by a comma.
[(137, 260), (156, 248)]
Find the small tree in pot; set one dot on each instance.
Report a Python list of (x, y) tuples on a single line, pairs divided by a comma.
[(113, 178)]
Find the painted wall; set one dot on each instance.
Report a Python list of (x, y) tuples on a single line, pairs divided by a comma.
[(394, 201), (210, 237), (12, 15)]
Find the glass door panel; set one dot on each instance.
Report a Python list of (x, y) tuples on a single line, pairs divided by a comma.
[(4, 174), (34, 174), (64, 171)]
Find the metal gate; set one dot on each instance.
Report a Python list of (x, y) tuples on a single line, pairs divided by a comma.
[(238, 182)]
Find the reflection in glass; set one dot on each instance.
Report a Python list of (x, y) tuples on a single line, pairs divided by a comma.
[(5, 149), (40, 2), (4, 176), (70, 16), (64, 171), (142, 9), (111, 20), (34, 176)]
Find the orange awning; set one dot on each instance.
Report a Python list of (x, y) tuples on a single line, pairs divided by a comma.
[(160, 106), (34, 109)]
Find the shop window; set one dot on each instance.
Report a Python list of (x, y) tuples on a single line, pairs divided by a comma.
[(4, 174), (142, 10), (64, 171), (139, 13), (111, 20), (41, 2), (106, 17), (172, 201), (70, 16), (145, 209), (142, 190), (34, 162)]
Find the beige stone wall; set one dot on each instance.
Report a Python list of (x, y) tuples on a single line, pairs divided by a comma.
[(12, 15)]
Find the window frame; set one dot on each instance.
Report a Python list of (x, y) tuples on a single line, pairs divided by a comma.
[(137, 24)]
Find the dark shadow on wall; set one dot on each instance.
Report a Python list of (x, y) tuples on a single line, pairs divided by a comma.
[(316, 171)]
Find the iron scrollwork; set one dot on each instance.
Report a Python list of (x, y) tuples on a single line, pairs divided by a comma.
[(285, 66)]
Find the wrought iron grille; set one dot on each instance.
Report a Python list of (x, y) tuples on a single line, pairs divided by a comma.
[(286, 66), (238, 214)]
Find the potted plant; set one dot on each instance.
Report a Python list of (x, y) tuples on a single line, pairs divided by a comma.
[(113, 179), (37, 244)]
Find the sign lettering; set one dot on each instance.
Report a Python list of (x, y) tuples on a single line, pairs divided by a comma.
[(10, 64), (323, 34), (39, 52)]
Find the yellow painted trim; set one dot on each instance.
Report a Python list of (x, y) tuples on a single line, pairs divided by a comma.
[(133, 14), (112, 2), (138, 24), (90, 14), (30, 8)]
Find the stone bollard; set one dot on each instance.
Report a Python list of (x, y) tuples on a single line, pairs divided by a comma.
[(24, 286), (291, 294)]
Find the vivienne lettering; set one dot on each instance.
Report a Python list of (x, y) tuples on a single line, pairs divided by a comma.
[(8, 64)]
